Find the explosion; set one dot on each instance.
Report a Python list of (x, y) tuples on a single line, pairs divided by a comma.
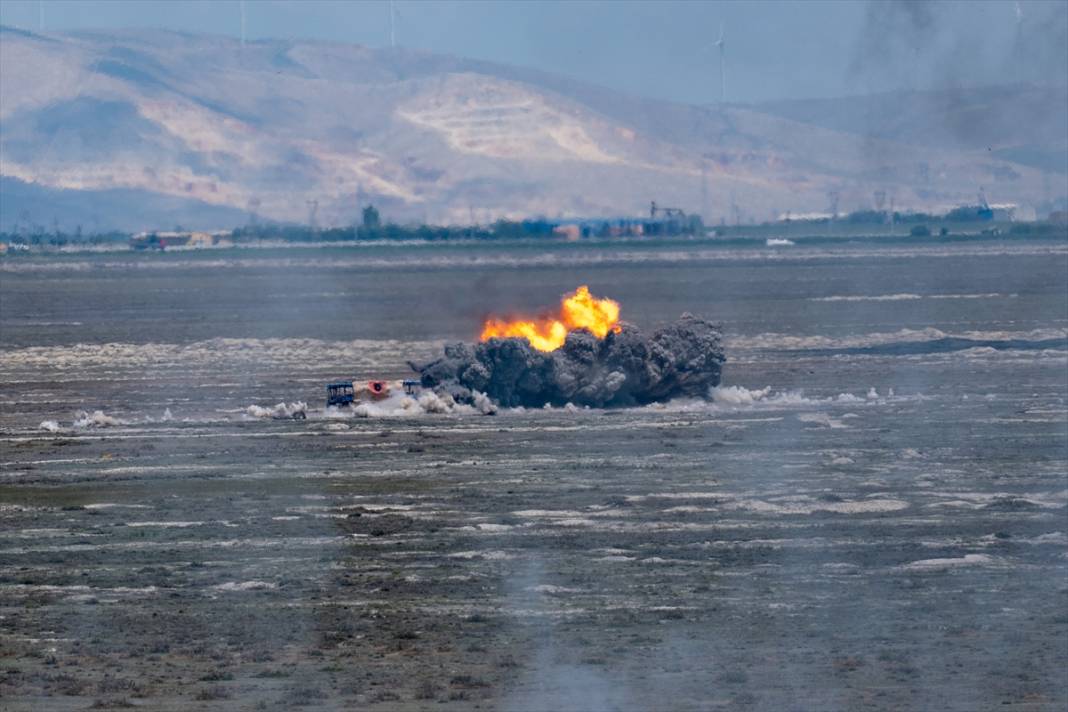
[(622, 368), (579, 310)]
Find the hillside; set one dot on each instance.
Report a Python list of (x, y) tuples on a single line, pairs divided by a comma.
[(94, 124)]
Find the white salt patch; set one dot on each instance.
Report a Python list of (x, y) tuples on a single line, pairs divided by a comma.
[(939, 564), (384, 507), (609, 512), (489, 555), (1051, 538), (908, 297), (867, 506), (822, 419), (790, 341), (739, 396), (877, 298), (494, 527), (179, 525), (111, 505), (955, 503), (549, 588), (245, 586)]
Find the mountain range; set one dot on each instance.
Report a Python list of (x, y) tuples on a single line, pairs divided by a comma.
[(152, 129)]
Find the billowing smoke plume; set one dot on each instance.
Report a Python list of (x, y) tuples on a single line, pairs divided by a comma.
[(625, 368)]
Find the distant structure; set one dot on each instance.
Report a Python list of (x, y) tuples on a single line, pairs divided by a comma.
[(1012, 212), (253, 209), (371, 218), (180, 238), (721, 45), (879, 198), (313, 209), (832, 197), (667, 212), (704, 187), (790, 216), (662, 222)]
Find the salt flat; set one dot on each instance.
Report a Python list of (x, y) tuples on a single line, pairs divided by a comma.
[(871, 512)]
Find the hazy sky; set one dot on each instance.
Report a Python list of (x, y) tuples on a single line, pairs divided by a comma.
[(661, 48)]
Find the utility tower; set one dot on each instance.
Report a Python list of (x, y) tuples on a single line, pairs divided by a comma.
[(253, 208)]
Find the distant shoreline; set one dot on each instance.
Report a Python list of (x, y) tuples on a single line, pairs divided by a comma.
[(798, 234)]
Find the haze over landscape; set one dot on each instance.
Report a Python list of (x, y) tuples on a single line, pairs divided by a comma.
[(302, 406), (140, 129)]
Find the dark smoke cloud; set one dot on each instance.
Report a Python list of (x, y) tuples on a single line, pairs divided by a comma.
[(947, 50), (626, 368), (894, 35), (933, 44)]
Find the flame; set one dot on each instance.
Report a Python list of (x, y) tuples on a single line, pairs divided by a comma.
[(579, 310)]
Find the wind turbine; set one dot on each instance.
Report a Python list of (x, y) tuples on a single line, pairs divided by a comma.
[(242, 6), (722, 65), (1018, 42), (392, 24)]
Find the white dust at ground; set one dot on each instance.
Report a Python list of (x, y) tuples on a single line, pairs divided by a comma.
[(396, 405), (279, 410)]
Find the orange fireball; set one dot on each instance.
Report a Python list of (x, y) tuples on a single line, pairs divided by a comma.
[(580, 310)]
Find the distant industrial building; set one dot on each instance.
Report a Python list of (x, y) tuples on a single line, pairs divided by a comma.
[(661, 222), (188, 240)]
